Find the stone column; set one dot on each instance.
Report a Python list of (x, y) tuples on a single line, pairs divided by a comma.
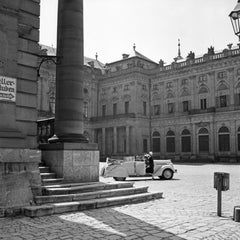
[(69, 154), (127, 139), (194, 140), (115, 140), (103, 141), (69, 72)]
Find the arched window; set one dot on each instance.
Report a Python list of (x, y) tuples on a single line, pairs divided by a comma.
[(85, 90), (203, 140), (223, 139), (238, 138), (186, 141), (156, 141), (170, 141)]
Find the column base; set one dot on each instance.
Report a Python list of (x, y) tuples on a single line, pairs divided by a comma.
[(74, 138), (75, 162)]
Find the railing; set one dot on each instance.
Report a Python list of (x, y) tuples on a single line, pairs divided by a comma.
[(199, 111), (219, 55), (45, 129)]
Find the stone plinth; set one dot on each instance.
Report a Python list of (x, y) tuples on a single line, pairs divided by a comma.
[(19, 178), (75, 162)]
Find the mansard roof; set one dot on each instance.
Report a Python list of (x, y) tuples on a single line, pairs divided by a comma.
[(135, 53), (90, 62)]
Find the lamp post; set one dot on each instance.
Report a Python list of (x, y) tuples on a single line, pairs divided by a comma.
[(235, 19)]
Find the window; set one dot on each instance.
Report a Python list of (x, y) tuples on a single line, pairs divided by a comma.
[(170, 107), (145, 148), (115, 109), (144, 108), (203, 103), (156, 141), (223, 101), (169, 84), (170, 141), (237, 99), (185, 106), (85, 109), (126, 107), (103, 110), (114, 89), (126, 87), (223, 139), (184, 81), (203, 140), (238, 138), (85, 90), (156, 109), (186, 141), (221, 75), (202, 78), (155, 86)]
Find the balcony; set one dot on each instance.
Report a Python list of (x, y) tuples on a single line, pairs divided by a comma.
[(201, 111), (45, 129)]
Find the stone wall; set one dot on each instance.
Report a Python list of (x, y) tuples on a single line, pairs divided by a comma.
[(19, 158)]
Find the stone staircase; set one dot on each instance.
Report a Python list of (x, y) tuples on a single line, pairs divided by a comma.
[(60, 197)]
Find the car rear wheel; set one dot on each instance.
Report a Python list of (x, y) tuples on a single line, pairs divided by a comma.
[(119, 178), (167, 174)]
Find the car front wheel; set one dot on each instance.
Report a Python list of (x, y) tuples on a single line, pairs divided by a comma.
[(167, 174), (119, 178)]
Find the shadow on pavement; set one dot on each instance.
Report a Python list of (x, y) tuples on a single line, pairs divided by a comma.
[(104, 223), (109, 223)]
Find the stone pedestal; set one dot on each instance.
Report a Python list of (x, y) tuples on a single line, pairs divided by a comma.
[(19, 178), (75, 162)]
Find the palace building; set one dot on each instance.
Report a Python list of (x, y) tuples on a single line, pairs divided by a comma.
[(188, 110)]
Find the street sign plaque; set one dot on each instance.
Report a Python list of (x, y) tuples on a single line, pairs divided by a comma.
[(8, 87)]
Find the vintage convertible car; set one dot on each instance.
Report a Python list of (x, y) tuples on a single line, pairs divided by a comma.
[(136, 167)]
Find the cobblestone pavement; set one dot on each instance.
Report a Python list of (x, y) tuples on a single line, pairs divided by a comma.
[(187, 211)]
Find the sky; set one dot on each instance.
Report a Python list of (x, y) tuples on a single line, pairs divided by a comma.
[(111, 27)]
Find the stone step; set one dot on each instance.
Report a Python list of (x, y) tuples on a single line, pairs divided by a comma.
[(84, 188), (70, 184), (89, 195), (55, 208), (44, 169), (51, 181), (47, 175)]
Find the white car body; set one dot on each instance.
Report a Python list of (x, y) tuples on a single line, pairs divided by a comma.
[(121, 169)]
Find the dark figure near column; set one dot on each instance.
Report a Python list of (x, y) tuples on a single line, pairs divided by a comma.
[(149, 162)]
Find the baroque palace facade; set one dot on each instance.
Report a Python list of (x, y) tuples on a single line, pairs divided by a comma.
[(188, 110)]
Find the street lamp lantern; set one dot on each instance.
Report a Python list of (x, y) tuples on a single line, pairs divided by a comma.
[(235, 19)]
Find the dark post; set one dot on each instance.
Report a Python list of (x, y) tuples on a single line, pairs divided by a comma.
[(219, 196), (221, 183)]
